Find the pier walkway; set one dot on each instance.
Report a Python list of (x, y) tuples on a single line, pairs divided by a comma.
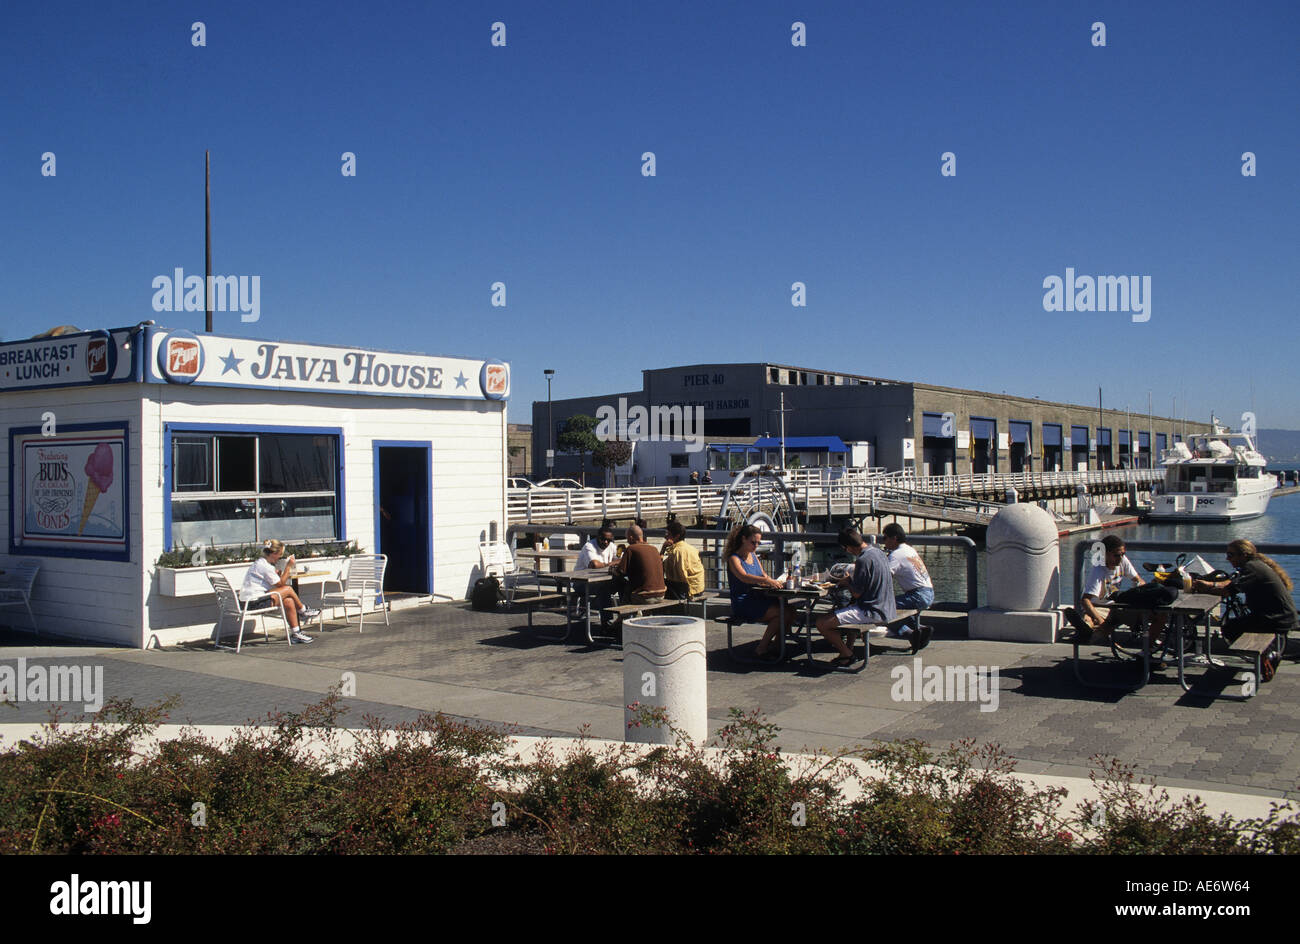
[(969, 500)]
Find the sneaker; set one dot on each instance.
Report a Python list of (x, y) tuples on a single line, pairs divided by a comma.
[(301, 637), (922, 638), (309, 613), (903, 633), (1268, 666)]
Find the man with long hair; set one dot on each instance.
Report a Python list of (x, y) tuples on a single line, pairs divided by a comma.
[(1267, 589)]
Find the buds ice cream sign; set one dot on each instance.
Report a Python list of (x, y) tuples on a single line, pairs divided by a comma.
[(72, 498), (181, 357)]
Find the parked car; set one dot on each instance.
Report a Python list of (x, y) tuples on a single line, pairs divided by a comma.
[(518, 482), (558, 486), (559, 483)]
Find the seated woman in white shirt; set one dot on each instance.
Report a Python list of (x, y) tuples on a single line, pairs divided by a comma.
[(263, 585)]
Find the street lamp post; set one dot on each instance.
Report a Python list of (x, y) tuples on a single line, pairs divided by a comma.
[(550, 427)]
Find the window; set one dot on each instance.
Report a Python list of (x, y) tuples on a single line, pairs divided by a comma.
[(242, 488), (679, 460)]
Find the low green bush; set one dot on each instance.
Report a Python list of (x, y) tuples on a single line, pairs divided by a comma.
[(301, 784)]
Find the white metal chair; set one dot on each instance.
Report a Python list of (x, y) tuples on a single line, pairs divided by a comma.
[(364, 579), (16, 589), (229, 605), (496, 560)]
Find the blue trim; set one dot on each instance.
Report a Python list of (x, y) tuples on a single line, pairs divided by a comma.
[(802, 443), (170, 428), (323, 392), (427, 446), (123, 556)]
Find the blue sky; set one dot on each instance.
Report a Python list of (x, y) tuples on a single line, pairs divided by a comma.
[(775, 164)]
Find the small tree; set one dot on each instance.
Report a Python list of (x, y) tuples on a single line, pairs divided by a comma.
[(609, 455), (577, 436)]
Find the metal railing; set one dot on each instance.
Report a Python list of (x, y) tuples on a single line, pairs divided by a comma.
[(712, 541), (817, 491)]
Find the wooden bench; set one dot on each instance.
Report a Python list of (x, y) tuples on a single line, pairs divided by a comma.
[(901, 618), (620, 613), (1253, 646), (534, 601), (707, 599)]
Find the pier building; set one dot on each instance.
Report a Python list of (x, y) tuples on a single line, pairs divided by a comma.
[(935, 429)]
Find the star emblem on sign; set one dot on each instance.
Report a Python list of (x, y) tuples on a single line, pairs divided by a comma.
[(230, 363), (461, 380)]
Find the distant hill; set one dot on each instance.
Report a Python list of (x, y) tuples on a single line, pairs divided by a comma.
[(1279, 445)]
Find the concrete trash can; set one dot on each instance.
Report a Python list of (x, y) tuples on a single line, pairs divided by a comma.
[(664, 664)]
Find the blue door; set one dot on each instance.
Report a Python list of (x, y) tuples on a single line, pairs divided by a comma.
[(403, 516)]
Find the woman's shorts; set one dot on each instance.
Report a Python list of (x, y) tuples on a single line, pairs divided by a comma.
[(751, 609)]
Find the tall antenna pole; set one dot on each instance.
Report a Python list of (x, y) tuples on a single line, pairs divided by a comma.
[(782, 429), (1100, 420), (1151, 433), (207, 235)]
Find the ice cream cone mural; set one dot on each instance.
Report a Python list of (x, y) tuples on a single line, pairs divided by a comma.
[(99, 476)]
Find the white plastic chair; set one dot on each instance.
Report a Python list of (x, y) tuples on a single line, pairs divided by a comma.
[(364, 579), (16, 589), (229, 605), (496, 560)]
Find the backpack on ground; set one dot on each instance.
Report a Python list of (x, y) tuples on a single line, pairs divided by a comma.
[(486, 596)]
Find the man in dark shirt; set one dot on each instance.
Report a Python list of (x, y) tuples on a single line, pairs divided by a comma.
[(639, 573), (1267, 589), (872, 587)]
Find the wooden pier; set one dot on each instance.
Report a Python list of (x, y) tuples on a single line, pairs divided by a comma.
[(962, 501)]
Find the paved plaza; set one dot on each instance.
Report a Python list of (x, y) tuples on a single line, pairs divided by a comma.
[(490, 668)]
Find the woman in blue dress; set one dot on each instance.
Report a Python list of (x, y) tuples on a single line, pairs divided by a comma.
[(746, 580)]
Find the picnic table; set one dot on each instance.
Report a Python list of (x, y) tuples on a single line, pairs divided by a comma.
[(558, 558), (1187, 610), (570, 581)]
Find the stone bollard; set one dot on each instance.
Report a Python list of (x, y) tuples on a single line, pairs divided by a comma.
[(1012, 495), (1023, 582), (664, 667)]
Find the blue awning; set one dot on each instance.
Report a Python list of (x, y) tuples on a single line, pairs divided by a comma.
[(803, 443)]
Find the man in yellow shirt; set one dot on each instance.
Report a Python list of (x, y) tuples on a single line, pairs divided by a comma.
[(683, 570)]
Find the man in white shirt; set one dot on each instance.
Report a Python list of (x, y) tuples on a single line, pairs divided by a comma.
[(596, 554), (915, 589), (1094, 623)]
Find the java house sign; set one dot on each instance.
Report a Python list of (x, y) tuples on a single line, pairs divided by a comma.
[(179, 357), (153, 354)]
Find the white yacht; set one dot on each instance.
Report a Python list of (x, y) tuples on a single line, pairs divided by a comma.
[(1217, 477)]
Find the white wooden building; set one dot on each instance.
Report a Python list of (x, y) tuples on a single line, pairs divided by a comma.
[(120, 445)]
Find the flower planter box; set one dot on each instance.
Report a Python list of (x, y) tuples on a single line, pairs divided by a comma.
[(193, 581)]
